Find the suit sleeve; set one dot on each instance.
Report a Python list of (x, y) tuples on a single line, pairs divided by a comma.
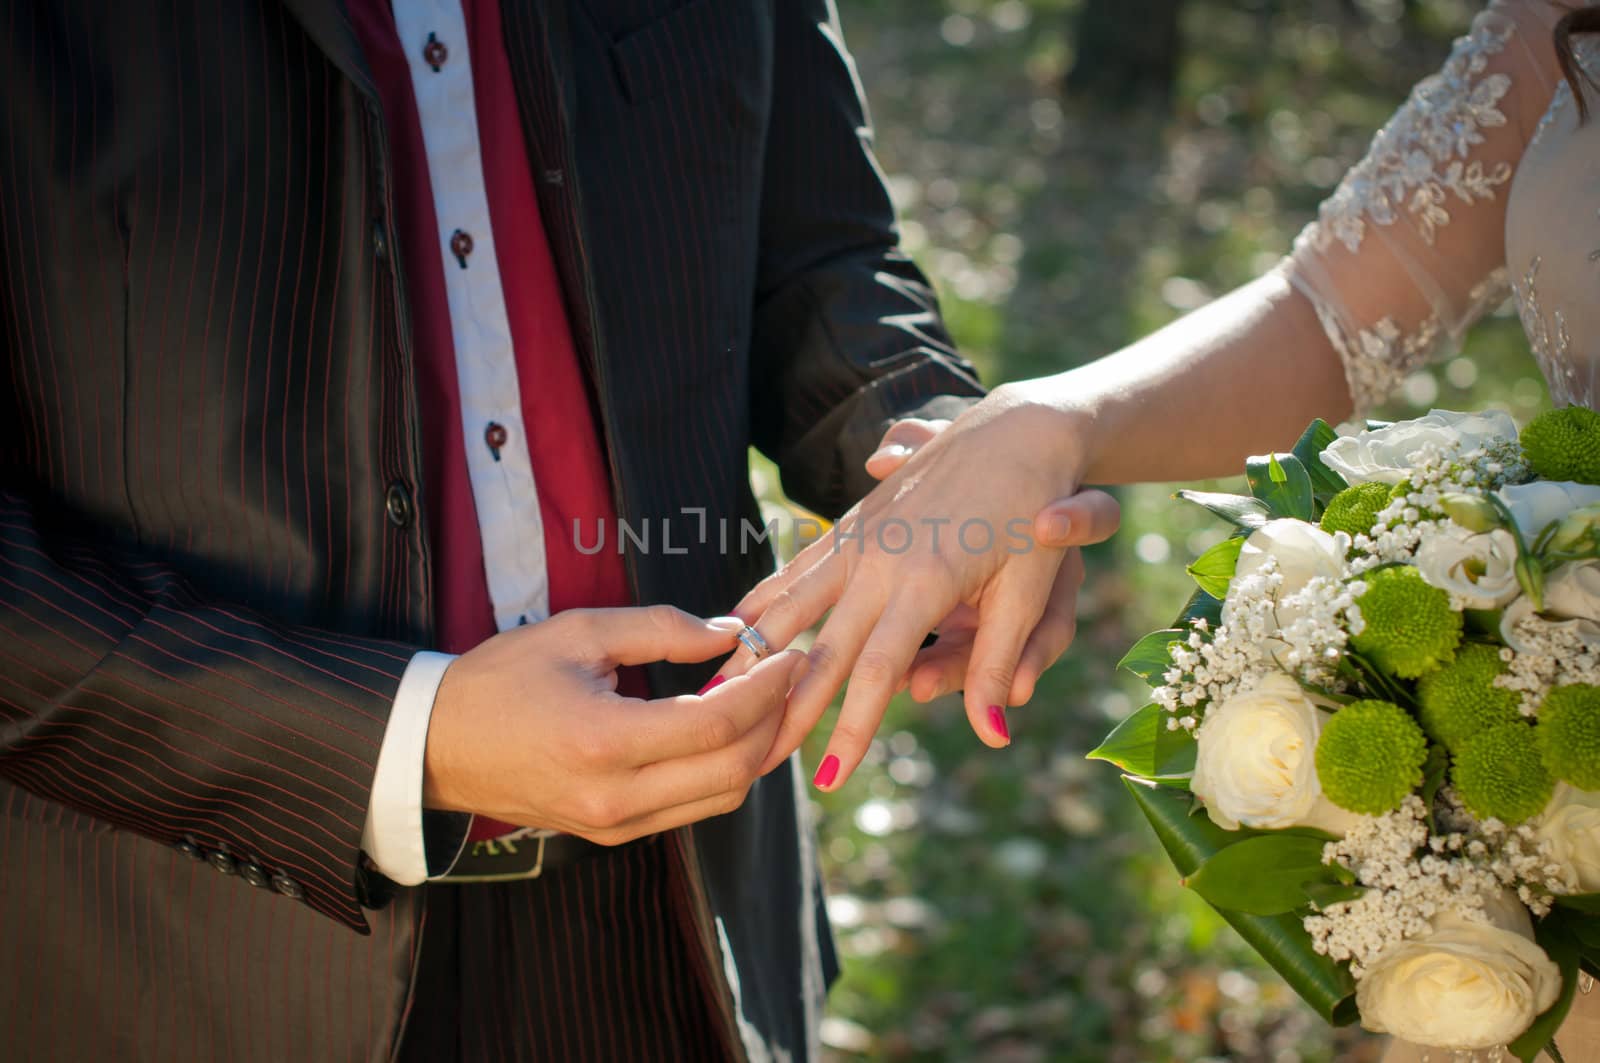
[(199, 724), (847, 332)]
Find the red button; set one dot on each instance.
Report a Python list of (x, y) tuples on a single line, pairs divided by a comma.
[(434, 53), (461, 246)]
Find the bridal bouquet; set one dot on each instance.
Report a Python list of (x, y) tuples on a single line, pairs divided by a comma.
[(1374, 739)]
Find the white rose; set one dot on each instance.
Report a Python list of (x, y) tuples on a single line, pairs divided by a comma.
[(1386, 455), (1536, 506), (1480, 569), (1256, 763), (1467, 985), (1571, 824), (1571, 600), (1302, 551)]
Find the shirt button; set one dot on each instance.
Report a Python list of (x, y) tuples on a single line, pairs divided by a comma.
[(287, 886), (397, 505), (380, 240), (434, 53), (461, 246), (223, 863), (495, 435), (188, 848)]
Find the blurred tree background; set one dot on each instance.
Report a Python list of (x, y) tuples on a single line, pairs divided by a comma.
[(1073, 174)]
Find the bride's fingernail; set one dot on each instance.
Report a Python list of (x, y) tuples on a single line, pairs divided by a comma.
[(731, 625), (997, 720), (716, 681), (827, 771)]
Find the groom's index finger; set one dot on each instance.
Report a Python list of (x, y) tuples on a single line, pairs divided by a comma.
[(692, 724)]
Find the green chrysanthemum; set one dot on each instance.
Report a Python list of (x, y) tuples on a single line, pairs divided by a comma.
[(1460, 700), (1564, 445), (1569, 734), (1355, 509), (1410, 627), (1500, 774), (1370, 757)]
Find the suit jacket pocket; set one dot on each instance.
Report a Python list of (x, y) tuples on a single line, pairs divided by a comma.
[(693, 49)]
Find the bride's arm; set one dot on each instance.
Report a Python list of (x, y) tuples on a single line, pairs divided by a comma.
[(1404, 256), (1243, 375)]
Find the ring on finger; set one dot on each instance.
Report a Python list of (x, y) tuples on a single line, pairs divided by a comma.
[(751, 639)]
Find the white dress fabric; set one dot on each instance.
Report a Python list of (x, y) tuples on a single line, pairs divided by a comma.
[(1485, 183)]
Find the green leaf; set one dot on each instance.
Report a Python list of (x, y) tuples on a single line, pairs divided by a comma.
[(1152, 655), (1588, 932), (1201, 606), (1556, 938), (1379, 684), (1588, 903), (1323, 894), (1143, 745), (1213, 570), (1241, 511), (1281, 482), (1325, 483), (1280, 939), (1266, 875), (1434, 770)]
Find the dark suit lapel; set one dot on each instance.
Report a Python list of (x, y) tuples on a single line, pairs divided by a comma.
[(327, 24), (540, 40)]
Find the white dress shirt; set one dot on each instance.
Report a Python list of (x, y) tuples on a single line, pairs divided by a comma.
[(503, 490)]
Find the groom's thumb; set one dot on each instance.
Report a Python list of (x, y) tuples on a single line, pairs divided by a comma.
[(903, 439), (1078, 520)]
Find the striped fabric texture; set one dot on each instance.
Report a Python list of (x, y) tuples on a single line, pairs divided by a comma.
[(212, 563)]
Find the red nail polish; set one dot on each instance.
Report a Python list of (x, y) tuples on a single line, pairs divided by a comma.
[(716, 680), (826, 772), (997, 720)]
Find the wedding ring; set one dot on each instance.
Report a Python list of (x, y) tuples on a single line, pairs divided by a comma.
[(752, 641)]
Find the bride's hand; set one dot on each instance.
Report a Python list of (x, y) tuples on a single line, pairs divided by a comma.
[(947, 535), (1067, 523)]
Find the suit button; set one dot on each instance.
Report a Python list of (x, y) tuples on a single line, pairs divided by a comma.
[(253, 874), (380, 240), (188, 848), (287, 886), (223, 863), (397, 505)]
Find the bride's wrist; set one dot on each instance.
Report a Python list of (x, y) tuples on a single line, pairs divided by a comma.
[(1058, 426)]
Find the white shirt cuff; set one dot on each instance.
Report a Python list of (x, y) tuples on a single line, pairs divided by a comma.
[(393, 836)]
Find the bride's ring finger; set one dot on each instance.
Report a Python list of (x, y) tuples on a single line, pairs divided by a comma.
[(751, 640), (787, 615)]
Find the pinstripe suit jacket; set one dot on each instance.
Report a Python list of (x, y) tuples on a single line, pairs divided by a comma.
[(212, 570)]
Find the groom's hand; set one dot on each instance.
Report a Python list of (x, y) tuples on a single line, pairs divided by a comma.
[(1009, 608), (528, 727)]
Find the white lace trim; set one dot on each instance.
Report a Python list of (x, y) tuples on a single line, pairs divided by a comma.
[(1422, 157), (1377, 359)]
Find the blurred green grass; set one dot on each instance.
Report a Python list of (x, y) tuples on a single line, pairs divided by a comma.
[(1010, 906)]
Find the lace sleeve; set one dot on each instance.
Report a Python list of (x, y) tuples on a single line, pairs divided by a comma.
[(1409, 251)]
